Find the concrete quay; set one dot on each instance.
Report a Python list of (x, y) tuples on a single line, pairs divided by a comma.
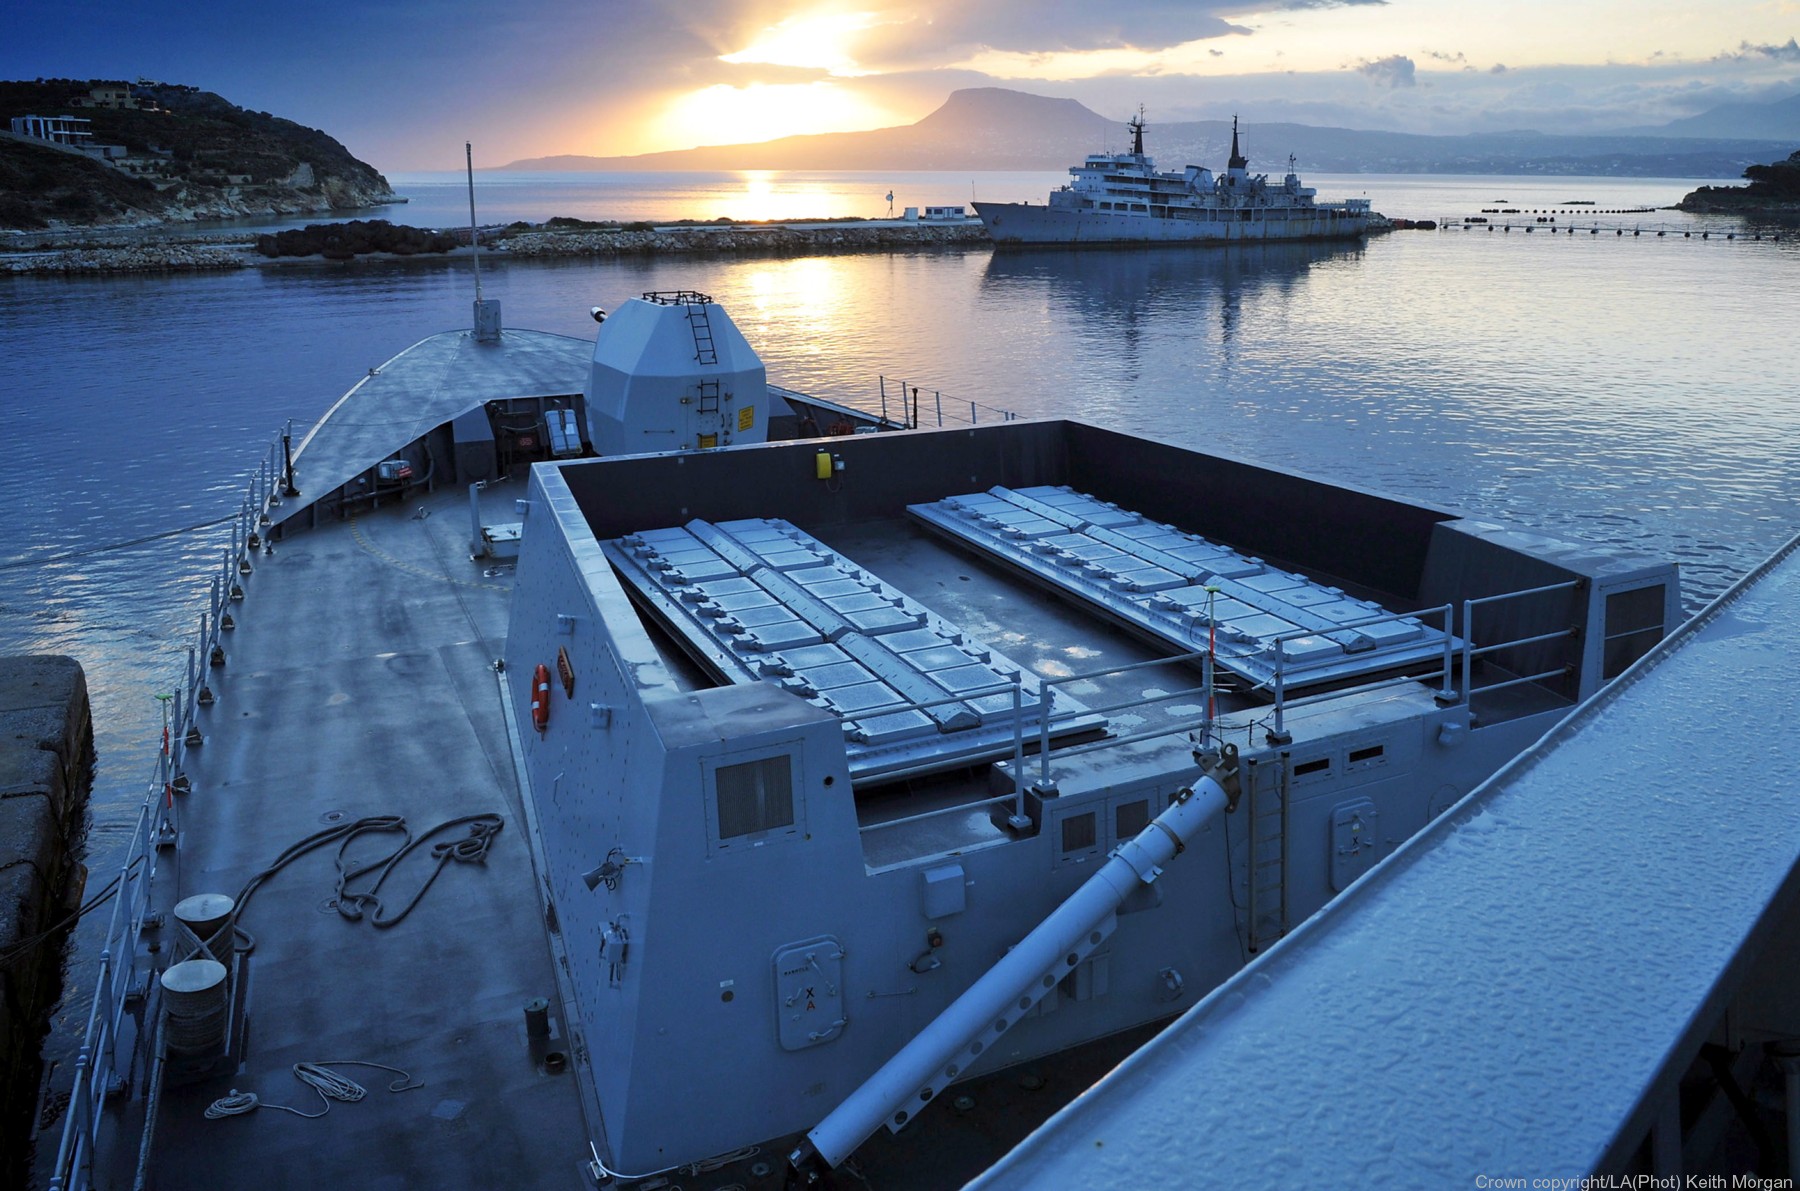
[(46, 756)]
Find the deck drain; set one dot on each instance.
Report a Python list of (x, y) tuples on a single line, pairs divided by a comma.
[(331, 817), (555, 1061)]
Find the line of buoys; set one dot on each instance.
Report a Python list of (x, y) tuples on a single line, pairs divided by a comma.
[(1577, 209), (1470, 222)]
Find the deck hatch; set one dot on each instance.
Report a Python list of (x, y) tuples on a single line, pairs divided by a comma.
[(1155, 578), (759, 600)]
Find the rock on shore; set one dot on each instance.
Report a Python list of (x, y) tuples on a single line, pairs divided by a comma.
[(141, 258), (739, 239), (225, 252)]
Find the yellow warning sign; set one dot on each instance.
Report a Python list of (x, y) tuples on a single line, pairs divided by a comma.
[(746, 417)]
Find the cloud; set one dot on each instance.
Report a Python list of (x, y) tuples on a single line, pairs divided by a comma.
[(1747, 52), (1458, 58), (1497, 68), (1395, 70), (934, 34)]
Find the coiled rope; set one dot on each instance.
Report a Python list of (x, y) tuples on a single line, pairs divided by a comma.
[(472, 848), (317, 1076)]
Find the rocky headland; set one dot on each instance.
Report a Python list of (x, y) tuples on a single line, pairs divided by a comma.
[(111, 153), (1773, 192)]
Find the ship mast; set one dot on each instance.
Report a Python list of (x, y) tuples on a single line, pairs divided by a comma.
[(1136, 124)]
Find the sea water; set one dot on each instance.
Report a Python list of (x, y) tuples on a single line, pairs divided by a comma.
[(1626, 390)]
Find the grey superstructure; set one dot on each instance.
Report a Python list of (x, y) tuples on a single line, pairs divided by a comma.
[(1121, 198), (793, 782)]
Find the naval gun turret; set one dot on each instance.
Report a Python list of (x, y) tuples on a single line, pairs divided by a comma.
[(672, 372)]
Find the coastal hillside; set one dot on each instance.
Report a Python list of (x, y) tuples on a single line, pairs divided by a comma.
[(992, 128), (1774, 191), (113, 153)]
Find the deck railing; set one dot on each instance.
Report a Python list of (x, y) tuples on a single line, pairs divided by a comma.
[(915, 406), (1456, 661), (99, 1071)]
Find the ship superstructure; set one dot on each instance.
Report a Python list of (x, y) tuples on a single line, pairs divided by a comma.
[(817, 776), (1122, 198)]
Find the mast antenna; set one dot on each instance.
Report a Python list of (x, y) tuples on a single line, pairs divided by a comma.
[(474, 241)]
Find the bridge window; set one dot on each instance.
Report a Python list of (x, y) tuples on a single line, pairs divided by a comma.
[(754, 796)]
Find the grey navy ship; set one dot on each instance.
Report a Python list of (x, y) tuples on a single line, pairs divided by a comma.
[(1122, 198), (790, 768)]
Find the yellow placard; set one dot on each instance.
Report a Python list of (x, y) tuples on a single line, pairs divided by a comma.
[(746, 417)]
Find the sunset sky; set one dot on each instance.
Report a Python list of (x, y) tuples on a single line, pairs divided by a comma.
[(404, 84)]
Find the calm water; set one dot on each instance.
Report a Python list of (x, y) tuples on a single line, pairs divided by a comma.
[(1619, 390)]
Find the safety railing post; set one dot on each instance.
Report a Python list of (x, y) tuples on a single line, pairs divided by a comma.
[(940, 405), (1280, 734), (1445, 694), (1018, 708), (1468, 666)]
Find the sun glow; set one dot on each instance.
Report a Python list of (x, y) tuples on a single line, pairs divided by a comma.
[(817, 40), (725, 115)]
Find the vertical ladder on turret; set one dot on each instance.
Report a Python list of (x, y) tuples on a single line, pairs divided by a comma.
[(701, 325), (1267, 786), (708, 392)]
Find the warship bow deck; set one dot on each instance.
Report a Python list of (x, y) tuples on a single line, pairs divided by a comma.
[(791, 746)]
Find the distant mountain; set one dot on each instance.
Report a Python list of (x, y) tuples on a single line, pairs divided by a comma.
[(1776, 121), (991, 128), (984, 128)]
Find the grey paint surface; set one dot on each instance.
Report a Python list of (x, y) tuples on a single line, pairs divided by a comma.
[(1505, 994)]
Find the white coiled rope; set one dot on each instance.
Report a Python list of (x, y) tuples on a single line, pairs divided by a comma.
[(327, 1083)]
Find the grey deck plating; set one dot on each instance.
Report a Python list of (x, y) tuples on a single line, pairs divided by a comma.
[(1575, 964), (426, 386), (1156, 578), (360, 683), (759, 599)]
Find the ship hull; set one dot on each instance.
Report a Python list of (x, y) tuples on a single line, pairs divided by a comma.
[(1023, 223)]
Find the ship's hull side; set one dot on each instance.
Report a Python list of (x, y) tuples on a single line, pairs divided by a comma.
[(1022, 223)]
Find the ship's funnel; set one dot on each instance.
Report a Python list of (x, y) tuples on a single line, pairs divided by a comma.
[(672, 372)]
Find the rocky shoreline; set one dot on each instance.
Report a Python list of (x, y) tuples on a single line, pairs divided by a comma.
[(43, 255)]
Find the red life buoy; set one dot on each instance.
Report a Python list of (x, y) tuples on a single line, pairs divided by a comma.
[(540, 699)]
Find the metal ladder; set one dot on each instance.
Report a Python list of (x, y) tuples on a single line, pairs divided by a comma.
[(1267, 786), (709, 397), (701, 325)]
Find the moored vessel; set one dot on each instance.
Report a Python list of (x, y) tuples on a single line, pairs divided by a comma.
[(1122, 198)]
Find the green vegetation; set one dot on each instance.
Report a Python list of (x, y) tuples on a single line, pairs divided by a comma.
[(358, 237), (1774, 189), (187, 152), (38, 184)]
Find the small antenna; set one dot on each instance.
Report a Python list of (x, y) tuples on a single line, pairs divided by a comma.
[(474, 242)]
